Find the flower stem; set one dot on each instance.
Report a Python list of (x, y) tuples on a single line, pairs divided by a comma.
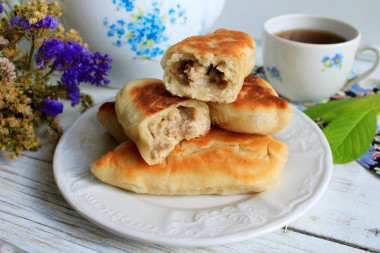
[(27, 86), (31, 52), (48, 74)]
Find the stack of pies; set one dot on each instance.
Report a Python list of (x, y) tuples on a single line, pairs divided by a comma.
[(204, 129)]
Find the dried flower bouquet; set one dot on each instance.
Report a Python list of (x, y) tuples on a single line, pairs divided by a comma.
[(28, 99)]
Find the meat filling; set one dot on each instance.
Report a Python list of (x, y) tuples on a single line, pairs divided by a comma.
[(177, 125), (196, 75)]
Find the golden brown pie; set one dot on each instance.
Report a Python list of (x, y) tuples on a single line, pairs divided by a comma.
[(220, 162), (155, 120), (209, 67)]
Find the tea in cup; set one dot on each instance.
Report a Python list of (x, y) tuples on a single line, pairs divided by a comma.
[(308, 58)]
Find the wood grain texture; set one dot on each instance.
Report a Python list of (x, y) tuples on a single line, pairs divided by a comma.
[(349, 209), (34, 217)]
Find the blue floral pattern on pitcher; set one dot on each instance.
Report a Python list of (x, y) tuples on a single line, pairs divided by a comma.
[(124, 4), (145, 34)]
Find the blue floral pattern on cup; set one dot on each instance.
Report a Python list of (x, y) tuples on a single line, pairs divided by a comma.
[(274, 72), (145, 30), (333, 62)]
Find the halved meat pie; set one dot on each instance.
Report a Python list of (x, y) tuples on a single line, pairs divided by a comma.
[(210, 67), (156, 120)]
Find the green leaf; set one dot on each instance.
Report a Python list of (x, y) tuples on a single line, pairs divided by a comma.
[(372, 102), (350, 134), (318, 111)]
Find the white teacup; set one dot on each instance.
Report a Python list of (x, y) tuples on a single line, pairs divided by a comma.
[(135, 33), (306, 72)]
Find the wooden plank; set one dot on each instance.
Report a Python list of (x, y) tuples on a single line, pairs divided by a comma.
[(34, 217), (349, 210)]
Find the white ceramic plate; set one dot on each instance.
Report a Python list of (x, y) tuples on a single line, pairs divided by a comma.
[(191, 220)]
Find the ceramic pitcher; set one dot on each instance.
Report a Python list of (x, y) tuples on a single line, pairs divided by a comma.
[(135, 33)]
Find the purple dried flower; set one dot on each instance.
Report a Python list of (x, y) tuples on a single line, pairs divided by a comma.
[(70, 77), (1, 7), (17, 20), (52, 107), (76, 62), (47, 22), (73, 93), (74, 53), (48, 51), (101, 67)]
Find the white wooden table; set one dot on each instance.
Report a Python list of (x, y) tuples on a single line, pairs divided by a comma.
[(34, 217)]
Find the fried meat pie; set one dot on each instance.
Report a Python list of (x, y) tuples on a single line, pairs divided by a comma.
[(211, 67), (156, 121), (220, 162)]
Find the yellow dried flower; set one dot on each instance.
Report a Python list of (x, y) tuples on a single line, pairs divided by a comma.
[(7, 71), (9, 156), (25, 100), (38, 42), (4, 131), (54, 9), (59, 33), (60, 29), (24, 109), (74, 35), (12, 122), (9, 52), (41, 32), (3, 41), (36, 11), (16, 7), (28, 145)]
